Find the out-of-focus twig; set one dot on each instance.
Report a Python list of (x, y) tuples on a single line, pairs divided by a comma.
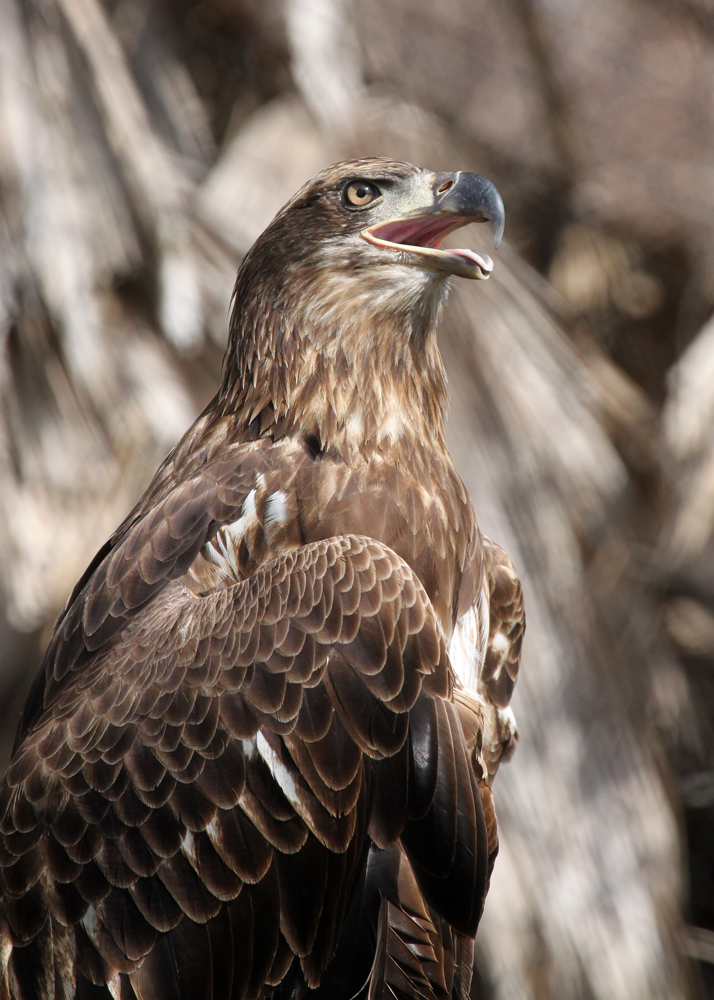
[(159, 186)]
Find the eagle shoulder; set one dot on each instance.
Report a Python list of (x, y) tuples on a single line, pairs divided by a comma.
[(186, 505)]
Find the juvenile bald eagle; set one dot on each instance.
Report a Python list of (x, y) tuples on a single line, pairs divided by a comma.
[(257, 758)]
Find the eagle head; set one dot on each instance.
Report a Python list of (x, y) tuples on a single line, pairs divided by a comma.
[(346, 284), (377, 213)]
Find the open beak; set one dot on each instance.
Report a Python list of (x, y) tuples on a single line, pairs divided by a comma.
[(459, 198)]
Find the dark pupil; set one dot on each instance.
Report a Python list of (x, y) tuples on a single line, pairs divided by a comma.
[(362, 191)]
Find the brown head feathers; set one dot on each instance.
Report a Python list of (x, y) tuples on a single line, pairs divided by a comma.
[(331, 334)]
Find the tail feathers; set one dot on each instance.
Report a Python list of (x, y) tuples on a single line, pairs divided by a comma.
[(417, 955), (404, 952)]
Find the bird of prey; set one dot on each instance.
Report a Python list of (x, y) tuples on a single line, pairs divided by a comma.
[(257, 759)]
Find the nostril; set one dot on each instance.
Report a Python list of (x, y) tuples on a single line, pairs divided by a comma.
[(445, 187)]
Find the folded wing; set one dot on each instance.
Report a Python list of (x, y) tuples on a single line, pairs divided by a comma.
[(189, 810)]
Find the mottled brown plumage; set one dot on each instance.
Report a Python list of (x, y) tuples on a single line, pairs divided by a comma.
[(257, 759)]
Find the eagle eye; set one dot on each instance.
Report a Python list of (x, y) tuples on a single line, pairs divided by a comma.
[(357, 194)]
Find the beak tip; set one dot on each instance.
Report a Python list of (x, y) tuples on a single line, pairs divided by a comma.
[(476, 196), (497, 216)]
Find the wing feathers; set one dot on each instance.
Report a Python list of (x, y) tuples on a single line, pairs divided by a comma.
[(246, 737), (455, 882)]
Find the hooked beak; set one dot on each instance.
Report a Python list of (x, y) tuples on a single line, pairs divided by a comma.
[(459, 198)]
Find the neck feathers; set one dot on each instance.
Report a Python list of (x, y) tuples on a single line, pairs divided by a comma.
[(353, 365)]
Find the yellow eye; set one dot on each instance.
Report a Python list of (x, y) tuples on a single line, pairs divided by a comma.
[(360, 193)]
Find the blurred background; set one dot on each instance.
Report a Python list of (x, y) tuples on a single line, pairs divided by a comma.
[(144, 144)]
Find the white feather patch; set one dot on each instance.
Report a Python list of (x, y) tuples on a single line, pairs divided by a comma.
[(278, 770), (235, 531), (188, 842), (354, 426), (225, 545), (249, 505), (223, 549), (277, 510), (91, 922), (114, 987), (5, 949), (467, 648), (483, 610), (213, 830), (507, 723), (392, 428)]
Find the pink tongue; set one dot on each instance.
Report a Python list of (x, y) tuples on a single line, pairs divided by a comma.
[(482, 259), (429, 233)]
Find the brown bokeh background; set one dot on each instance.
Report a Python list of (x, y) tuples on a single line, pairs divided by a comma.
[(144, 144)]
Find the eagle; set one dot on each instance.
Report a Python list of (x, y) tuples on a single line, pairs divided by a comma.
[(258, 755)]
